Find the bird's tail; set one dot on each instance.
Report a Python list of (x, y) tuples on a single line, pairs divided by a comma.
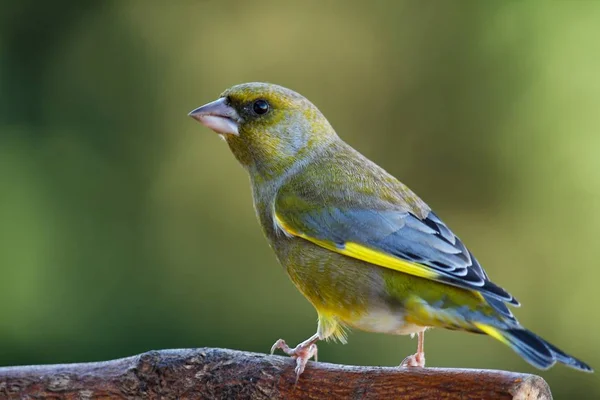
[(533, 348)]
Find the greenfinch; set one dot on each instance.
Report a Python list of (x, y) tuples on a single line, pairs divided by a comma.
[(365, 250)]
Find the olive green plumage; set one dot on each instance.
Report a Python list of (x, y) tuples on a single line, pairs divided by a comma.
[(361, 247)]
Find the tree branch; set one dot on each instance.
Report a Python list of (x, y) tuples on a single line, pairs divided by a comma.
[(208, 373)]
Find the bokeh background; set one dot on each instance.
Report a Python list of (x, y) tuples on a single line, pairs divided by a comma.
[(125, 226)]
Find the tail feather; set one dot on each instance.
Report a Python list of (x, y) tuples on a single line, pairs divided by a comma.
[(530, 348), (566, 359), (533, 348)]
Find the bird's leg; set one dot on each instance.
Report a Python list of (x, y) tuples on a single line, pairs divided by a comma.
[(417, 359), (302, 353)]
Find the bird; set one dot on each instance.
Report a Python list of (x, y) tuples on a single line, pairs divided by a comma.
[(365, 250)]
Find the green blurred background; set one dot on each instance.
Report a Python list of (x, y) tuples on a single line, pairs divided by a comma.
[(125, 226)]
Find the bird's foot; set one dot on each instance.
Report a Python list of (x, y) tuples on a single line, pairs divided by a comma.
[(416, 360), (301, 353)]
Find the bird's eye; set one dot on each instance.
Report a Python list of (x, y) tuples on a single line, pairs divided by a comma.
[(260, 107)]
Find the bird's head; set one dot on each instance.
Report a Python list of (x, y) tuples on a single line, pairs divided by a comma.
[(268, 127)]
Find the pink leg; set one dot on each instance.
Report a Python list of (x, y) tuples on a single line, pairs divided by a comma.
[(417, 359), (302, 353)]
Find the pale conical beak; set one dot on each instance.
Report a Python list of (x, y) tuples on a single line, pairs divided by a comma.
[(218, 116)]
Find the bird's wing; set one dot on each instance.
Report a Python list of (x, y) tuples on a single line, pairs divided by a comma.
[(390, 237)]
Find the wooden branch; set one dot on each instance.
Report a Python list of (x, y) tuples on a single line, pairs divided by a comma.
[(208, 373)]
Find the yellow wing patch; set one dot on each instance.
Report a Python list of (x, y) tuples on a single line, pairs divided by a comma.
[(366, 254)]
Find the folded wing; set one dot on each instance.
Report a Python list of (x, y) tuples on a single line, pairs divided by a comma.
[(391, 238)]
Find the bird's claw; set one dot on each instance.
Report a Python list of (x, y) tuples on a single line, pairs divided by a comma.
[(416, 360), (280, 344), (301, 353)]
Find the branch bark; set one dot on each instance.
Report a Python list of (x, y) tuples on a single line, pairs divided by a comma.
[(209, 373)]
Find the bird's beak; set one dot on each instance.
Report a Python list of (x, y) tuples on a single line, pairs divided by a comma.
[(218, 116)]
